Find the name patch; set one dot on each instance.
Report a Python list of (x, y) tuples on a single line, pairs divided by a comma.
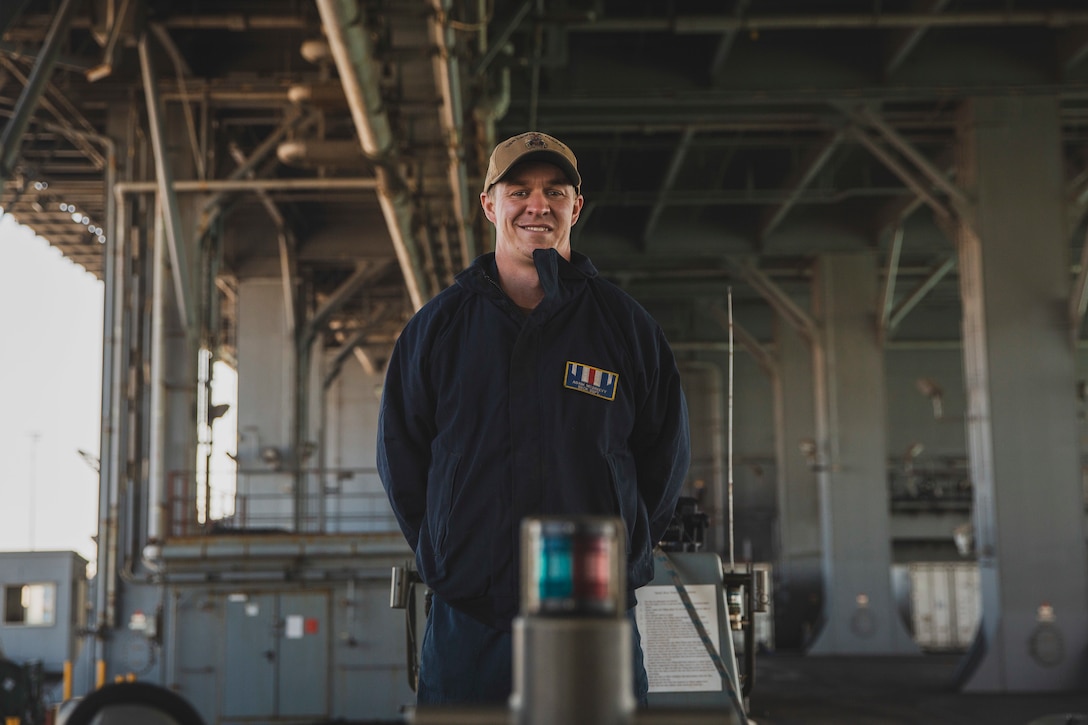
[(588, 379)]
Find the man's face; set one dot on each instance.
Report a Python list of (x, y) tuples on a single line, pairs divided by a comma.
[(533, 207)]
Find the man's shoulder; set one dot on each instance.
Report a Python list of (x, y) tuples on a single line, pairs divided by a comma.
[(437, 313), (620, 300), (449, 298)]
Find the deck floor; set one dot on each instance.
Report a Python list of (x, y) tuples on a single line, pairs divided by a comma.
[(799, 690)]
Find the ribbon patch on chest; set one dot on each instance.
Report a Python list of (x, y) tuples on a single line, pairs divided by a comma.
[(588, 379)]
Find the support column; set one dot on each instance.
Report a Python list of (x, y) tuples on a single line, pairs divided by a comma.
[(860, 616), (266, 406), (798, 585), (1022, 431)]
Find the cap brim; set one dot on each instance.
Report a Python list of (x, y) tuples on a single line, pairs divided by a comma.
[(548, 155)]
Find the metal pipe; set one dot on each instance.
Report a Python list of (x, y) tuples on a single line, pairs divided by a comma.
[(113, 344), (534, 70), (352, 50), (109, 52), (320, 152), (156, 468), (729, 428), (197, 186), (34, 88), (181, 69), (179, 258), (447, 74)]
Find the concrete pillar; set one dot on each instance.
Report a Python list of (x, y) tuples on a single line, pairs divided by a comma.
[(1022, 430), (860, 616), (798, 584), (266, 389)]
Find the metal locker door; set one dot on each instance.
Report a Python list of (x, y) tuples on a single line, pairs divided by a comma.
[(304, 655), (249, 677)]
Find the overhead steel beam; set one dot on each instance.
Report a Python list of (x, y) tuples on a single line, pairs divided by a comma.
[(352, 50), (213, 206), (802, 178), (717, 24), (366, 360), (924, 165), (679, 153), (109, 52), (181, 69), (904, 40), (779, 300), (691, 24), (897, 213), (11, 139), (237, 22), (725, 43), (164, 177), (63, 111), (347, 347), (285, 239), (65, 61), (365, 273), (891, 270), (893, 164), (918, 294), (1072, 48), (742, 197), (503, 37)]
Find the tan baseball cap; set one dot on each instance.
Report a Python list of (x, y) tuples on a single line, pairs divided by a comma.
[(531, 146)]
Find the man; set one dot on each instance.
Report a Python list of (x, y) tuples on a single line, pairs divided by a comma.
[(530, 387)]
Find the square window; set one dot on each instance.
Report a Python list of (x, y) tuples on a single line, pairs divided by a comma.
[(30, 604)]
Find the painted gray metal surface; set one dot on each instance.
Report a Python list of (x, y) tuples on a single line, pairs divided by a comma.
[(1020, 373), (51, 644), (798, 572), (851, 458)]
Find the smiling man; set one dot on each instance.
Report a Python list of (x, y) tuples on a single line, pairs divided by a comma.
[(530, 387)]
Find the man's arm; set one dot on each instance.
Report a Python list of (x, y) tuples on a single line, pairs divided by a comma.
[(661, 439), (405, 432)]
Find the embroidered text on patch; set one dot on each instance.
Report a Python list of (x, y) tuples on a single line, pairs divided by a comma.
[(589, 379)]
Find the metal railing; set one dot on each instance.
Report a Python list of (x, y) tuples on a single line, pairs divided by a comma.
[(310, 501)]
